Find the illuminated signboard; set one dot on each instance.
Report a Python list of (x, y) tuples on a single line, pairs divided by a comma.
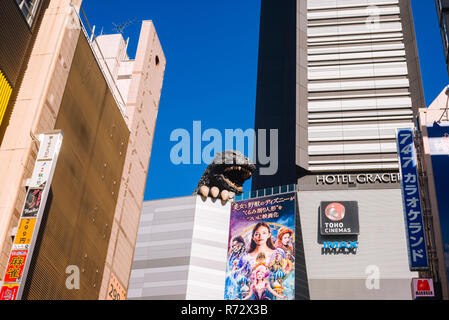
[(25, 231), (31, 217), (339, 247), (9, 292), (16, 265), (423, 288), (412, 201), (339, 218)]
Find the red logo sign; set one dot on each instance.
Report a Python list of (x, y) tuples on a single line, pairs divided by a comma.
[(335, 211), (423, 288), (9, 292), (15, 266), (423, 285)]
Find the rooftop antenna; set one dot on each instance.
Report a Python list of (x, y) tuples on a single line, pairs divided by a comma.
[(120, 27), (93, 34)]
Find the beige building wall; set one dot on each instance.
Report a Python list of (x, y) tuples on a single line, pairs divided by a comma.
[(382, 246), (35, 111), (140, 83), (136, 86), (437, 111)]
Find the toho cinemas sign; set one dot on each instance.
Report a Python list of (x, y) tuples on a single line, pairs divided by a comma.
[(339, 218)]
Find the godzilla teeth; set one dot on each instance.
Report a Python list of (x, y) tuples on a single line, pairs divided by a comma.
[(233, 184), (246, 173)]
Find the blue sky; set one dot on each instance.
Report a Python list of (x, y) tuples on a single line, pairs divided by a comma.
[(211, 49)]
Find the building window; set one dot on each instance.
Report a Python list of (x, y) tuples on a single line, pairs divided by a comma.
[(445, 34), (28, 9)]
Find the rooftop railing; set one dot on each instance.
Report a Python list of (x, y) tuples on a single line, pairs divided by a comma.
[(267, 192)]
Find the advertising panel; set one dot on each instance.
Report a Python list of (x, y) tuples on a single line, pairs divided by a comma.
[(261, 252), (16, 264), (32, 202), (339, 218), (412, 201), (439, 149), (9, 292), (24, 232), (115, 289), (31, 216), (423, 288)]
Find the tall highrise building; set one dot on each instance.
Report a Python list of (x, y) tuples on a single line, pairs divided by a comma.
[(443, 21), (336, 78), (106, 105)]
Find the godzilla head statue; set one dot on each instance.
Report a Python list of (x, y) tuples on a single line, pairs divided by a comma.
[(225, 175)]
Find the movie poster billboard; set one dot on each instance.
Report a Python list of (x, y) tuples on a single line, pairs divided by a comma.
[(261, 249)]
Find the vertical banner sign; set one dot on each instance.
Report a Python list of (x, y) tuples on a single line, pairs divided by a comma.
[(31, 216), (261, 253), (412, 201)]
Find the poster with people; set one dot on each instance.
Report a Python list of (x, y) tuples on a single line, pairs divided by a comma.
[(261, 249)]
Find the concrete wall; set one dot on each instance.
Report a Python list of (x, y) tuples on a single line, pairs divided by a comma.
[(427, 117), (136, 88), (140, 83), (181, 250), (85, 185), (364, 81), (34, 110), (382, 243)]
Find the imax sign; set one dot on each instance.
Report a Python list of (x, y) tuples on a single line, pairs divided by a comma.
[(342, 247)]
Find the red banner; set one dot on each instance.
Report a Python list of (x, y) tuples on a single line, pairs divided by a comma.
[(15, 265), (9, 292)]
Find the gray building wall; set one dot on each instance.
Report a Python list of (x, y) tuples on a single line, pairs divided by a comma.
[(181, 250), (357, 78), (382, 244)]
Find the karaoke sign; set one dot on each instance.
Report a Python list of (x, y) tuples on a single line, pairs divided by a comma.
[(412, 201)]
